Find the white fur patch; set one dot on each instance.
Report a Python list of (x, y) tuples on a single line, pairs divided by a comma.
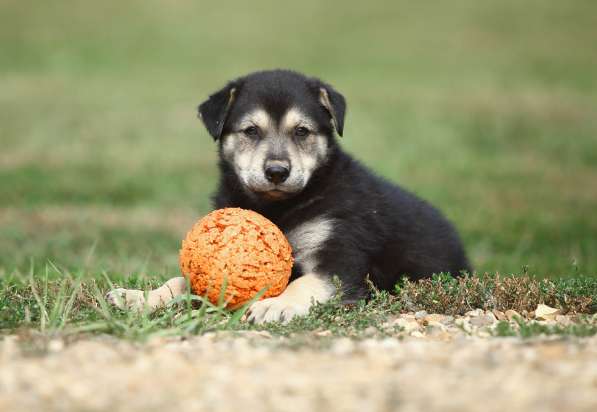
[(310, 159), (249, 165), (307, 239), (134, 299), (294, 301), (229, 145)]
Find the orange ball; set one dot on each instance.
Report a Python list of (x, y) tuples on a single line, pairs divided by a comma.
[(238, 245)]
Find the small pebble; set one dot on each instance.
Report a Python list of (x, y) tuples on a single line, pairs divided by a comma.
[(420, 314), (511, 314)]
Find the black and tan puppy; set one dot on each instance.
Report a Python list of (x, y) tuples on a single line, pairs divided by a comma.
[(279, 155)]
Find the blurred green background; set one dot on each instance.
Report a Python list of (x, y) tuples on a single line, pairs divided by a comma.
[(487, 109)]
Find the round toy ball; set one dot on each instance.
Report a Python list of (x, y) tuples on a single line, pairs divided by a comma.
[(238, 245)]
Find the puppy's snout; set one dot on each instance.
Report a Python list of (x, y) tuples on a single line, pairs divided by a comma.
[(277, 171)]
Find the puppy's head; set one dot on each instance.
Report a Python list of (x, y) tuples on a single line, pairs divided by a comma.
[(275, 129)]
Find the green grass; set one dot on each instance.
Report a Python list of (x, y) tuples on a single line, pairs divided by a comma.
[(526, 329), (487, 110), (56, 303)]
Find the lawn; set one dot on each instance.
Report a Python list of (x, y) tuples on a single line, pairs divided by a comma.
[(488, 110)]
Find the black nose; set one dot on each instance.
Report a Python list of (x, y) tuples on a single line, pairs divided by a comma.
[(276, 173)]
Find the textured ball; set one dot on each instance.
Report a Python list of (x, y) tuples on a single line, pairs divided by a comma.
[(238, 245)]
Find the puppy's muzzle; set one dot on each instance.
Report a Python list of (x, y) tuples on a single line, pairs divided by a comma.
[(277, 171)]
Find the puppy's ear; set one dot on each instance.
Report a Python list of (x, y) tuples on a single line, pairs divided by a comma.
[(335, 104), (214, 111)]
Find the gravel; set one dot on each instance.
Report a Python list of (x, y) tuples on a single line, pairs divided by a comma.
[(432, 363)]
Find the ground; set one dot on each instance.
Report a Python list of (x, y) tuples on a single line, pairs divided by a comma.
[(435, 363), (489, 111)]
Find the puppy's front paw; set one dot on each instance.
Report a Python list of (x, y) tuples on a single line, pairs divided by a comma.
[(276, 309), (126, 298)]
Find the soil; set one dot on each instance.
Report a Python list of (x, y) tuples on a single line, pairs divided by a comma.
[(430, 368)]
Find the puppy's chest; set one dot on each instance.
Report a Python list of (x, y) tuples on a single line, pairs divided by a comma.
[(308, 238)]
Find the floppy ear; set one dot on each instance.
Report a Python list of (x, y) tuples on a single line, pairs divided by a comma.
[(335, 104), (214, 111)]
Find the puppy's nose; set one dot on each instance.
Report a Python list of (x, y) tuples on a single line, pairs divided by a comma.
[(276, 173)]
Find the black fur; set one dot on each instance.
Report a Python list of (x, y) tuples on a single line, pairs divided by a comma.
[(381, 230)]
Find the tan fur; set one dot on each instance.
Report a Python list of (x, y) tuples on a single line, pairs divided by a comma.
[(294, 118), (257, 117), (324, 99)]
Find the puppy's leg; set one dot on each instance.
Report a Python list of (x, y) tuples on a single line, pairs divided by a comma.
[(294, 301), (135, 299), (320, 255)]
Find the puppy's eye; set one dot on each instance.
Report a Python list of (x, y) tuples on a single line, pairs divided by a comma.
[(252, 131), (301, 131)]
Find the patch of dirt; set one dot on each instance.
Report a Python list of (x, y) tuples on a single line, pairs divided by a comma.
[(431, 364)]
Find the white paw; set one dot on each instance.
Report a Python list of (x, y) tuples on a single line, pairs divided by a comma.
[(126, 298), (276, 309)]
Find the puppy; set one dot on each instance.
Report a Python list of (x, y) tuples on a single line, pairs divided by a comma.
[(279, 155)]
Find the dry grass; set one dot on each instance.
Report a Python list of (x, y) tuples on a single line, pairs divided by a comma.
[(444, 294)]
